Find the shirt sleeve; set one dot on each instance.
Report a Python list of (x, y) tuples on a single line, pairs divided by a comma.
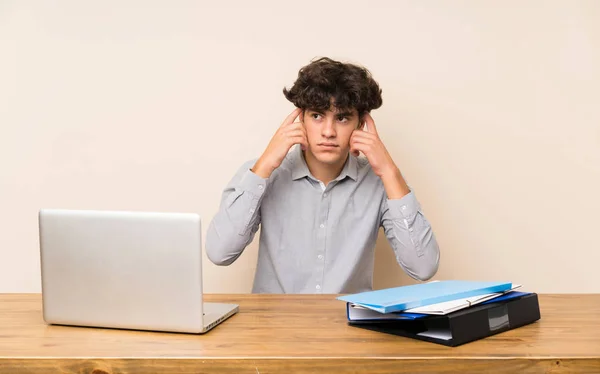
[(411, 236), (238, 217)]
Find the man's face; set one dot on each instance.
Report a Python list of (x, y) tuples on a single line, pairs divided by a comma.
[(329, 133)]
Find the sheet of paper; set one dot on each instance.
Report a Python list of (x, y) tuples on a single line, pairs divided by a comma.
[(441, 308), (453, 305), (358, 313), (444, 334)]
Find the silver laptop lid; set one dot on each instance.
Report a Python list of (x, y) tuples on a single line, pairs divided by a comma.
[(134, 270)]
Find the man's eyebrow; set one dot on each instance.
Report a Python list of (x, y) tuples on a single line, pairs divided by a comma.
[(344, 114)]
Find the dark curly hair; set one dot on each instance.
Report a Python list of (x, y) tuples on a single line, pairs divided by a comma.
[(323, 80)]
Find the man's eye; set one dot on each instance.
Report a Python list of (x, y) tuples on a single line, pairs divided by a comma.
[(316, 115), (342, 119)]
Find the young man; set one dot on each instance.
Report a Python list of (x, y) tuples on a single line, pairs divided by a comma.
[(320, 206)]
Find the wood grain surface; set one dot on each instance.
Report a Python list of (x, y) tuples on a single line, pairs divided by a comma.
[(296, 333)]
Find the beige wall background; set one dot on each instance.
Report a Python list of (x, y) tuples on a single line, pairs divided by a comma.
[(490, 110)]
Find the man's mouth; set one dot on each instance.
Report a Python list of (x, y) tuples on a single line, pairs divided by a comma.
[(328, 145)]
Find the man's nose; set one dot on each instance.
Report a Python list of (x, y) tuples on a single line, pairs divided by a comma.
[(328, 129)]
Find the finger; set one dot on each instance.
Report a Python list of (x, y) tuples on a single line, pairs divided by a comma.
[(298, 137), (295, 125), (370, 124), (356, 148), (363, 135), (300, 140), (294, 133), (364, 141), (299, 127), (353, 151), (291, 117)]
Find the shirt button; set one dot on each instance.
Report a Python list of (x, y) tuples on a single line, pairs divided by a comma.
[(318, 287), (251, 210), (260, 186), (403, 207), (320, 257), (322, 225)]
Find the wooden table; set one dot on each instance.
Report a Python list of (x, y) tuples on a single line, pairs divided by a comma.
[(295, 333)]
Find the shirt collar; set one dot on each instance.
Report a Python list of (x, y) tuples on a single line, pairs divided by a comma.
[(300, 168)]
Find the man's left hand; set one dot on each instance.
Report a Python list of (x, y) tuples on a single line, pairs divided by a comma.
[(368, 142)]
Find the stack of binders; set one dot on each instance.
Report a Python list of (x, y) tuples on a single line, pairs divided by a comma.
[(450, 312)]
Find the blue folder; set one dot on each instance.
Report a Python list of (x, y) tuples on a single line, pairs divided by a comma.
[(401, 298)]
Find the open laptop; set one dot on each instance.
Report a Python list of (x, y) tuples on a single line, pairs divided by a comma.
[(128, 270)]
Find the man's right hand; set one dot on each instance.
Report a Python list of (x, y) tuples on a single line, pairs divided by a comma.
[(288, 134)]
